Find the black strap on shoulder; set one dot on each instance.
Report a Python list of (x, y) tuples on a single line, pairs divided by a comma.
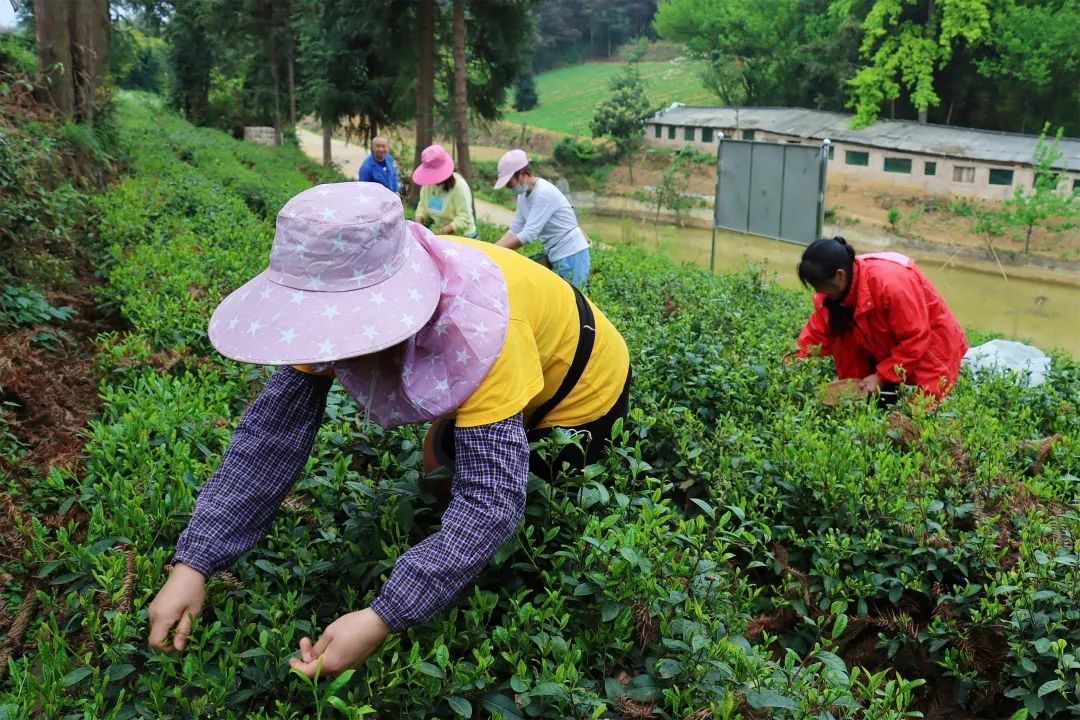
[(586, 336)]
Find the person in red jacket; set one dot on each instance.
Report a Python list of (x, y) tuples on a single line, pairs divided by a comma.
[(881, 320)]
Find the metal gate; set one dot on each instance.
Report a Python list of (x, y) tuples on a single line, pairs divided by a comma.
[(775, 190)]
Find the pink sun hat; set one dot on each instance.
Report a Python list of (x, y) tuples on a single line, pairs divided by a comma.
[(435, 166), (346, 278), (509, 164)]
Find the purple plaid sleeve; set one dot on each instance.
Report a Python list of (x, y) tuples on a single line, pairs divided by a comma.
[(265, 457), (488, 502)]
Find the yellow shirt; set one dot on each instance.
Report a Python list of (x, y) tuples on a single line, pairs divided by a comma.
[(541, 337)]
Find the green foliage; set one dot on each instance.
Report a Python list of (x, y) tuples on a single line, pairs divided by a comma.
[(1049, 204), (24, 306), (737, 46), (17, 54), (349, 57), (46, 170), (745, 551), (570, 31), (191, 59), (893, 216), (568, 96), (1034, 61), (525, 97), (635, 52), (138, 61), (731, 38), (961, 207), (904, 46), (669, 194), (621, 117), (583, 162)]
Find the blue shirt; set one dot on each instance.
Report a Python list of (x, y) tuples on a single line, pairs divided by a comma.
[(384, 173)]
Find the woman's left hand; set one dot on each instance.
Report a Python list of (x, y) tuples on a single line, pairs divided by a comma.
[(870, 383), (346, 643), (446, 230)]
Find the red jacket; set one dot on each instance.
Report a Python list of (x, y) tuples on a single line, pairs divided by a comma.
[(903, 329)]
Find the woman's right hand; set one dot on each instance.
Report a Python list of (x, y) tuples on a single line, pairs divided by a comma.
[(176, 604)]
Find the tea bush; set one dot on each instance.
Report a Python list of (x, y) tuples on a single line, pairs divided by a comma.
[(746, 552)]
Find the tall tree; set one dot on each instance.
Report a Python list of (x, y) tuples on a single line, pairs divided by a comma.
[(737, 41), (905, 42), (1050, 202), (425, 86), (525, 97), (1032, 61), (350, 64), (191, 59), (461, 96), (73, 44), (53, 30), (621, 118), (271, 29)]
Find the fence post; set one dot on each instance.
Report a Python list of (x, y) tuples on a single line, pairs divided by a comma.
[(716, 203), (825, 145)]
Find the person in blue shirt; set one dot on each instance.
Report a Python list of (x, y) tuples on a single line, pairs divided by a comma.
[(379, 165)]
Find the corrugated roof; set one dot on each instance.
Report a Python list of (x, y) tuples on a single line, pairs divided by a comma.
[(901, 135)]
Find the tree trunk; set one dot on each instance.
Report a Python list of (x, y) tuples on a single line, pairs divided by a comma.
[(52, 29), (931, 34), (291, 52), (425, 86), (272, 60), (89, 28), (461, 90), (948, 115), (292, 90), (327, 134)]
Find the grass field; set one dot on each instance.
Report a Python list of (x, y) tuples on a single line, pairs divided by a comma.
[(569, 95)]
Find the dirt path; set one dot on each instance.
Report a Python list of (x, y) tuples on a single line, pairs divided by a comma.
[(349, 156)]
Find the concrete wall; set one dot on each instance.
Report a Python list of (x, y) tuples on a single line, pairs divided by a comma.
[(260, 135), (942, 182)]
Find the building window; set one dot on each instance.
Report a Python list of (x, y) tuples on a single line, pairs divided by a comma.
[(1001, 177), (688, 134), (1076, 185), (963, 174), (671, 132), (832, 152), (854, 157), (706, 135), (898, 165), (657, 127), (929, 168), (747, 134)]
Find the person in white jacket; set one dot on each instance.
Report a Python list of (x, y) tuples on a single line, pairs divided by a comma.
[(543, 213)]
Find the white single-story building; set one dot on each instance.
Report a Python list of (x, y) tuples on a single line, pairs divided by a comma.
[(935, 158)]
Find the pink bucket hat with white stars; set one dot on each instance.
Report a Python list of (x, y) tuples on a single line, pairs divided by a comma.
[(346, 278)]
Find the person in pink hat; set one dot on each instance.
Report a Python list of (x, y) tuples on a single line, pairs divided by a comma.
[(445, 198), (416, 328), (543, 213)]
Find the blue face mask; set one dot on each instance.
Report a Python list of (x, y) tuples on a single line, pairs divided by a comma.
[(520, 189)]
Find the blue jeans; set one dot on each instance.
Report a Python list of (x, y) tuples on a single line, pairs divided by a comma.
[(574, 269)]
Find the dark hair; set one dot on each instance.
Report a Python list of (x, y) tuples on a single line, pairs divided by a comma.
[(822, 258), (526, 169), (819, 264), (448, 184)]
